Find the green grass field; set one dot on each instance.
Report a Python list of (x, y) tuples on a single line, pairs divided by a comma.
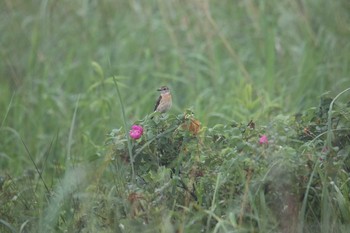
[(76, 75)]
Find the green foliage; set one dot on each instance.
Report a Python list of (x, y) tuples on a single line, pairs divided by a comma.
[(225, 176), (229, 62), (213, 179)]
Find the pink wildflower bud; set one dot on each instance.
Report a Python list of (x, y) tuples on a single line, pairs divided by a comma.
[(137, 127), (136, 132), (263, 140)]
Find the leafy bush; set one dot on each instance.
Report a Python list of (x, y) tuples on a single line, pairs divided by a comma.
[(223, 179)]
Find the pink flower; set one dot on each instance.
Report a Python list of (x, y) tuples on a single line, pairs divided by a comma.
[(137, 127), (136, 132), (263, 140)]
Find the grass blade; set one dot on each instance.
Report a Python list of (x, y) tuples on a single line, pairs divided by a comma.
[(126, 127), (7, 111), (71, 130)]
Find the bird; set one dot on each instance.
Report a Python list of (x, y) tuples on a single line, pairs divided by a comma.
[(164, 101)]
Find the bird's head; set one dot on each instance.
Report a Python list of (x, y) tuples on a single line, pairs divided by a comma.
[(164, 90)]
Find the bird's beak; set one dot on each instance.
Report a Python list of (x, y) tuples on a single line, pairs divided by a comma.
[(159, 89)]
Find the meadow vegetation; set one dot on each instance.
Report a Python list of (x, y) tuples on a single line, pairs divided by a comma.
[(257, 140)]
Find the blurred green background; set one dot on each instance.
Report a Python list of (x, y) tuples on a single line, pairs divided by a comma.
[(226, 60)]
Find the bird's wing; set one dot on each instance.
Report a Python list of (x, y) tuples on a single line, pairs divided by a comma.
[(157, 104)]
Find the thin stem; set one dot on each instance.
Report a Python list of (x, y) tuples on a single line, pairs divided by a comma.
[(7, 111), (126, 132), (329, 123)]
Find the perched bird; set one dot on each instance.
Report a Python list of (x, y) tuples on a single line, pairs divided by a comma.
[(164, 101)]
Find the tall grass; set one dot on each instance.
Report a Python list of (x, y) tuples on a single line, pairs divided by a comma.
[(227, 61)]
